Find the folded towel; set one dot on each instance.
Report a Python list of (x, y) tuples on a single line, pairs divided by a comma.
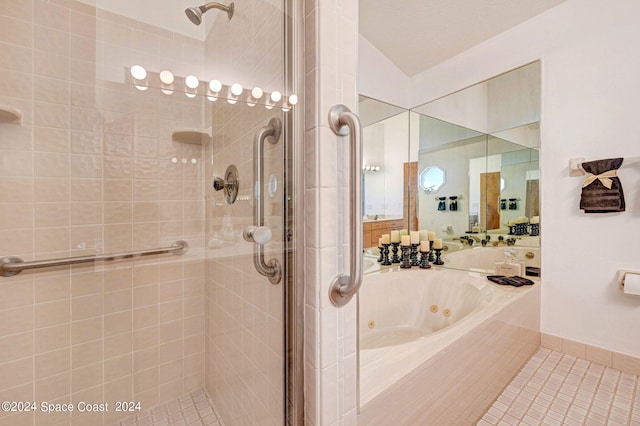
[(602, 190), (515, 280)]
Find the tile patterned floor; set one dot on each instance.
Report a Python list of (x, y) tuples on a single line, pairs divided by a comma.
[(556, 389), (193, 409)]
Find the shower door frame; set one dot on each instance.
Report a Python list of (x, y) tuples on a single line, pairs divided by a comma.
[(294, 217)]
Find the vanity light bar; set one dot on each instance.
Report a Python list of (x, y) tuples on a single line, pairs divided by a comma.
[(212, 90)]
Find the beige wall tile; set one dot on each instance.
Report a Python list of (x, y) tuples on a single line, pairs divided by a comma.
[(15, 373), (626, 363), (598, 355), (53, 387), (576, 349), (118, 323), (52, 338), (84, 354), (551, 342), (16, 293), (52, 313), (84, 331), (16, 346), (116, 368), (117, 345), (117, 301), (52, 363)]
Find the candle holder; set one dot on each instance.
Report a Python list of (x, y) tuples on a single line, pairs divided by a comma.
[(424, 260), (394, 251), (414, 255), (381, 257), (431, 257), (535, 229), (438, 260), (406, 260), (385, 255)]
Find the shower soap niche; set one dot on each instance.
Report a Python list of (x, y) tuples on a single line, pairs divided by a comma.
[(191, 136), (10, 115)]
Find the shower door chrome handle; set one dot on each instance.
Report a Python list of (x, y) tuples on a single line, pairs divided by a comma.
[(344, 122), (258, 233)]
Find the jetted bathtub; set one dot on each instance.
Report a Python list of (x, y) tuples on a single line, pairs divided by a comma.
[(407, 317)]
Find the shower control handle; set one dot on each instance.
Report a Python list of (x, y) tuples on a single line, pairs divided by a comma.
[(219, 184), (257, 234)]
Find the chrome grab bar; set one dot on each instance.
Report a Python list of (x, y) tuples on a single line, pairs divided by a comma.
[(260, 234), (12, 265), (342, 121)]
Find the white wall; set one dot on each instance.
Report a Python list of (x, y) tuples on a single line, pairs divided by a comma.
[(379, 78), (590, 90)]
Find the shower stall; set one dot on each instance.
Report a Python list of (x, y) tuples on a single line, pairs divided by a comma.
[(147, 205)]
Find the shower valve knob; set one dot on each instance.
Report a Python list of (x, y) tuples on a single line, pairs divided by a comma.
[(219, 184), (257, 234)]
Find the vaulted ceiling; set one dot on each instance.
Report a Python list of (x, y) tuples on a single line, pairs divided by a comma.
[(418, 34)]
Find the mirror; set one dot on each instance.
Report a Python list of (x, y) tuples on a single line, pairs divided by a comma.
[(385, 136), (487, 137), (464, 166)]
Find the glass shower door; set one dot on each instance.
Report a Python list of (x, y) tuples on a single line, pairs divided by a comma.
[(115, 119)]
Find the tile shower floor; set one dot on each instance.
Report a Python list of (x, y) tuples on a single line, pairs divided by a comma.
[(192, 409), (557, 389)]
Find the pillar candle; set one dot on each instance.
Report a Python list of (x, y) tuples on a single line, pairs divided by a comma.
[(432, 235), (406, 240), (424, 246), (395, 236), (424, 235), (404, 232), (379, 242), (415, 237), (385, 239), (437, 243)]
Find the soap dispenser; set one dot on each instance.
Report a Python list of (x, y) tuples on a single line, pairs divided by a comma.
[(509, 266)]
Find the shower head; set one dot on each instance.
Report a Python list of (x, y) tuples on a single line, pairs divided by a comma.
[(195, 13)]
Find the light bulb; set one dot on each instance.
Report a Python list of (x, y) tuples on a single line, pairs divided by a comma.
[(166, 77), (256, 93), (141, 88), (276, 96), (236, 89), (215, 86), (190, 95), (212, 98), (191, 81), (293, 99), (138, 72)]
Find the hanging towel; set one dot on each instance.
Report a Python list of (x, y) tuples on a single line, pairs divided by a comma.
[(602, 190)]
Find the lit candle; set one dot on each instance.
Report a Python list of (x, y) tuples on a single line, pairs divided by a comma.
[(406, 240), (437, 243), (395, 236), (404, 232), (379, 242), (424, 246), (385, 238), (415, 237), (424, 235), (432, 235)]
